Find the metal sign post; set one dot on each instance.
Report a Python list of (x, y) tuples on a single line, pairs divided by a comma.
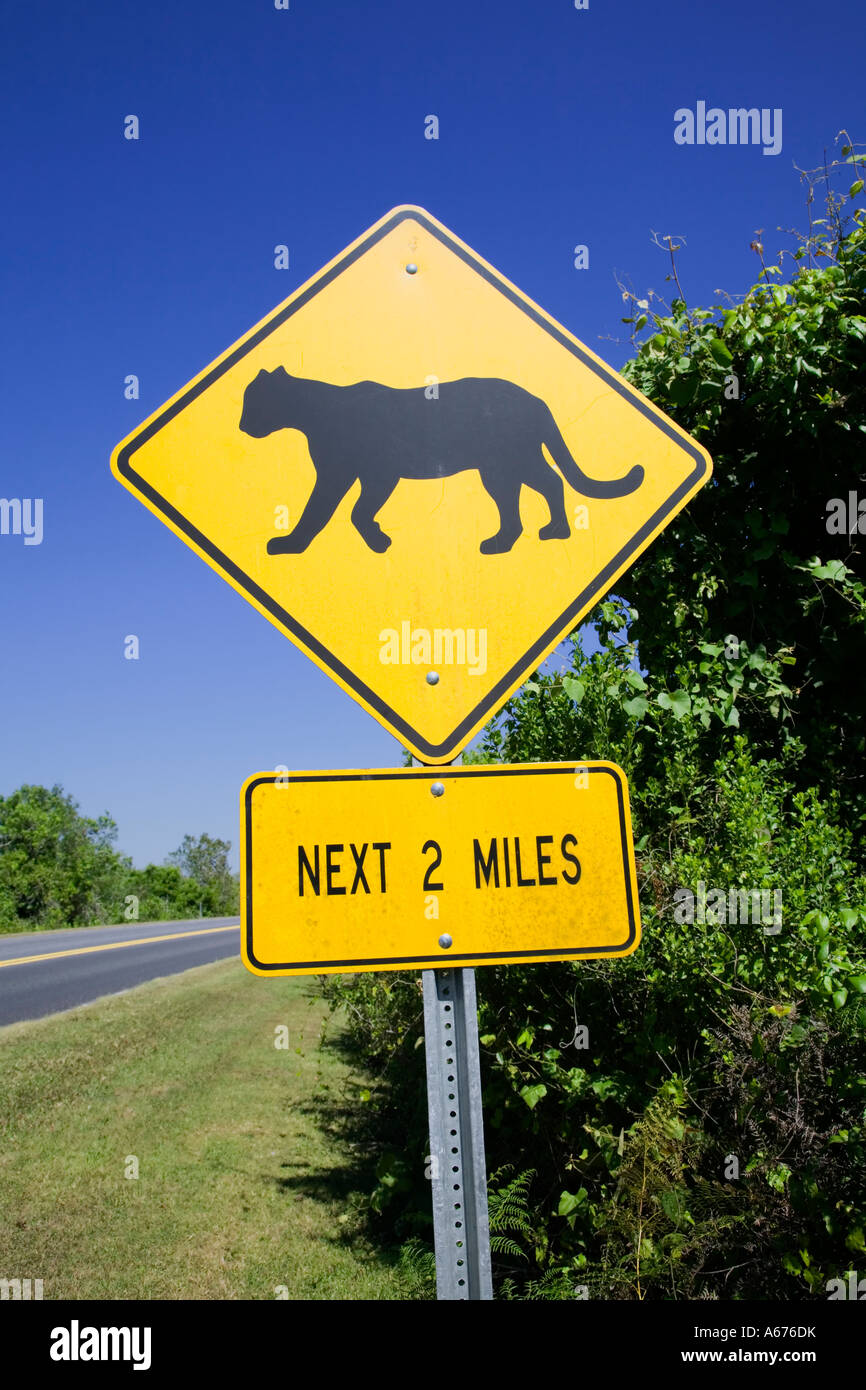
[(460, 1224)]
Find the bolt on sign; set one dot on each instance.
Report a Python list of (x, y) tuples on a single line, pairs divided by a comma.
[(417, 475), (422, 868)]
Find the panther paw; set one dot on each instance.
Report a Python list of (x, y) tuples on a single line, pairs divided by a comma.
[(286, 545), (378, 543), (496, 545)]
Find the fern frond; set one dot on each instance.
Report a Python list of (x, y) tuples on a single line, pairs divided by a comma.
[(502, 1245)]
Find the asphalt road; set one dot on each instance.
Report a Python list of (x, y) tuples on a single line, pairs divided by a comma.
[(44, 972)]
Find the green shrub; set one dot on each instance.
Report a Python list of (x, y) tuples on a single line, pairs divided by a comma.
[(708, 1140)]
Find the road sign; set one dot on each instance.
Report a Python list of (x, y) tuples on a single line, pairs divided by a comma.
[(424, 868), (417, 475)]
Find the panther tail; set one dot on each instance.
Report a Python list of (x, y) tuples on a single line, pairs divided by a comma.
[(576, 478)]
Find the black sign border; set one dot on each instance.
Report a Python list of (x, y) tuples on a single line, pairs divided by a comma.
[(487, 706), (447, 959)]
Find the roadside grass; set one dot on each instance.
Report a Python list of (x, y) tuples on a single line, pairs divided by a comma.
[(246, 1184)]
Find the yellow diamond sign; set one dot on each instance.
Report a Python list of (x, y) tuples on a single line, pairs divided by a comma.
[(417, 475)]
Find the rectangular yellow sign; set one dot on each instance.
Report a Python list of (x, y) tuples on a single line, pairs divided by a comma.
[(421, 868)]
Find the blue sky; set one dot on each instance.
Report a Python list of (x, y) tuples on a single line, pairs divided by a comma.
[(261, 126)]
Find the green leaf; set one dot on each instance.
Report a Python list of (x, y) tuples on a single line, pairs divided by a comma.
[(533, 1094), (720, 352), (570, 1201), (683, 388), (636, 707), (834, 569), (679, 702), (673, 1204), (574, 689), (856, 187), (778, 1177)]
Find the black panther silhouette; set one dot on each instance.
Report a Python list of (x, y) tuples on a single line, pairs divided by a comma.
[(381, 434)]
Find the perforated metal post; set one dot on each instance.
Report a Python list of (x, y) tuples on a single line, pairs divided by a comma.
[(459, 1175)]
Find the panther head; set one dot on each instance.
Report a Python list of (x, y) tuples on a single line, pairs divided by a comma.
[(264, 406)]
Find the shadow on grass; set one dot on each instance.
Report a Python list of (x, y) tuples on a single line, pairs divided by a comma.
[(381, 1183)]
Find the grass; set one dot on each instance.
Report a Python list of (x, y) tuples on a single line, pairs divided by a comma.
[(245, 1185)]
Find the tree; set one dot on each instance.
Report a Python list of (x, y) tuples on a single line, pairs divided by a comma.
[(750, 608), (57, 867), (206, 862)]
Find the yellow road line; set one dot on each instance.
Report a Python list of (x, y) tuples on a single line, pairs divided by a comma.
[(115, 945)]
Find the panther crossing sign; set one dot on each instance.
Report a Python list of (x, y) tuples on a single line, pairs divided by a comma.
[(417, 475)]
